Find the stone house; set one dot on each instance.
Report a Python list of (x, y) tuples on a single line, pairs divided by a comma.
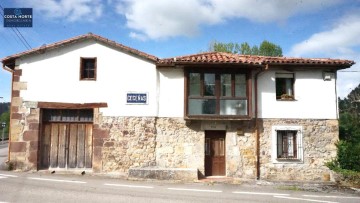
[(89, 103)]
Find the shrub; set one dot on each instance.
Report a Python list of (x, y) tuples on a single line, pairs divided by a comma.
[(348, 156)]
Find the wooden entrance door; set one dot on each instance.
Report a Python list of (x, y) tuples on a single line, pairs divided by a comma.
[(215, 161), (66, 145)]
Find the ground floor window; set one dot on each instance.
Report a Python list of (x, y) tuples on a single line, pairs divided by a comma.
[(287, 144), (68, 115)]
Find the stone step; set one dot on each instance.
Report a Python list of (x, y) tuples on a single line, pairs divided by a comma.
[(158, 173)]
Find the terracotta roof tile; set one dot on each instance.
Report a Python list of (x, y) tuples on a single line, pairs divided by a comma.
[(202, 58), (55, 45), (228, 58)]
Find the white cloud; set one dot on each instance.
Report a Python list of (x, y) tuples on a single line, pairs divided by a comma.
[(348, 79), (159, 19), (71, 10), (340, 41)]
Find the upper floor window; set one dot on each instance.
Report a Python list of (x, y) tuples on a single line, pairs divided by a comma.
[(217, 94), (87, 68), (284, 86)]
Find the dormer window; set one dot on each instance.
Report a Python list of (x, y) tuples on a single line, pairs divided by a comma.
[(88, 68)]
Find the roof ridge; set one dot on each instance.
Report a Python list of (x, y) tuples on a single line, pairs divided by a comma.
[(71, 40), (190, 55), (231, 58)]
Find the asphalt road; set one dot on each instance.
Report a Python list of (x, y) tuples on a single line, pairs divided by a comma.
[(46, 187), (3, 152)]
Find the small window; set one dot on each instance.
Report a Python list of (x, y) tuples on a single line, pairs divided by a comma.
[(287, 146), (88, 68), (68, 115), (284, 86), (207, 146)]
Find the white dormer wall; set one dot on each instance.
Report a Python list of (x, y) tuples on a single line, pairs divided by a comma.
[(315, 98), (54, 77), (171, 92)]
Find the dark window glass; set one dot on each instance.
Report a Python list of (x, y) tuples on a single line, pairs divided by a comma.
[(240, 85), (287, 146), (194, 84), (209, 84), (217, 94), (226, 85), (68, 115), (88, 68), (284, 86)]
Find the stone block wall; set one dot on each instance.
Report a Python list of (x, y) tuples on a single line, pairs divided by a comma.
[(319, 138), (130, 143), (179, 145), (121, 143), (25, 127), (240, 150), (140, 142)]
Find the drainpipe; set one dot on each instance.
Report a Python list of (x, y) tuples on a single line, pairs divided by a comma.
[(336, 98), (257, 139)]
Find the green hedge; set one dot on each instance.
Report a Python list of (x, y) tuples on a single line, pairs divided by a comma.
[(348, 177), (347, 162), (348, 156)]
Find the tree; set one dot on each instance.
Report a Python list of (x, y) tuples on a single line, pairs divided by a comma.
[(348, 156), (5, 117), (269, 49), (4, 107), (266, 48), (349, 108)]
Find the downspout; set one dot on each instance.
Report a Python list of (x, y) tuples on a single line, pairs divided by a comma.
[(257, 133), (336, 98)]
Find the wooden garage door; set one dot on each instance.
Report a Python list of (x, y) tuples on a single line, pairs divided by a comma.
[(66, 144)]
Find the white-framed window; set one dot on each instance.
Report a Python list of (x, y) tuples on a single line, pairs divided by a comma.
[(287, 146)]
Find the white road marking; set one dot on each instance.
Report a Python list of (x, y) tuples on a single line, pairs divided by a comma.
[(194, 190), (309, 200), (260, 193), (6, 175), (129, 186), (2, 177), (56, 180), (345, 197)]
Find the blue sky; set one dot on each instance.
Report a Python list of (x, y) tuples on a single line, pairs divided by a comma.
[(167, 28)]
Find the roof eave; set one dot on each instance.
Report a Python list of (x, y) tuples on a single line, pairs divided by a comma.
[(8, 65), (336, 66), (56, 45)]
